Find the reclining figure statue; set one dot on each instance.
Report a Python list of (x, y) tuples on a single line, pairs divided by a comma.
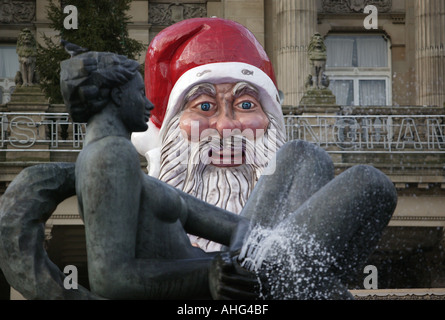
[(136, 226)]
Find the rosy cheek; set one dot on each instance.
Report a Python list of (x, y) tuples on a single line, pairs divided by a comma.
[(257, 123), (192, 125)]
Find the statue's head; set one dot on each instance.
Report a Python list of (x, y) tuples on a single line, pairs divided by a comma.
[(26, 43), (317, 43), (91, 81), (26, 37)]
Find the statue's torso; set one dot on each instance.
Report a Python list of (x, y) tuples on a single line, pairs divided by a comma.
[(160, 239)]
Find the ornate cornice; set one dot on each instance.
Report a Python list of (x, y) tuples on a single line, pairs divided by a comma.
[(17, 11), (165, 14), (354, 6)]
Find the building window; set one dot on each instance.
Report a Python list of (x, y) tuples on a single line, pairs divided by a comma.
[(359, 69), (9, 61), (9, 65)]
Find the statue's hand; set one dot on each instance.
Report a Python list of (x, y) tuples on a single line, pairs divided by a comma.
[(229, 281)]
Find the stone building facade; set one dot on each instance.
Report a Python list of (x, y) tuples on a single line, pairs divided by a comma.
[(389, 112)]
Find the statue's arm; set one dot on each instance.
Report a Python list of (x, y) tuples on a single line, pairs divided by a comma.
[(110, 187), (198, 217), (213, 223)]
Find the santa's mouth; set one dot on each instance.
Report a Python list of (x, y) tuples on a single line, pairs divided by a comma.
[(228, 157)]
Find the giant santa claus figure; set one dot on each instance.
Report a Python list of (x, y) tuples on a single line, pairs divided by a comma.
[(217, 122)]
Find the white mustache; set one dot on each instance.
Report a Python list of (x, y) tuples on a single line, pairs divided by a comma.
[(213, 146)]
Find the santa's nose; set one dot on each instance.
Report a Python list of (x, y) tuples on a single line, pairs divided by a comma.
[(226, 124)]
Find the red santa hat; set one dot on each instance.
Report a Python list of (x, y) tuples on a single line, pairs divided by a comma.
[(201, 50)]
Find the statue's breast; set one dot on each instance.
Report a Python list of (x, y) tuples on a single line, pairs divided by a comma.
[(157, 238)]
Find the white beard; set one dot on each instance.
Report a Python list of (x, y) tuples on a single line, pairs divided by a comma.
[(185, 165)]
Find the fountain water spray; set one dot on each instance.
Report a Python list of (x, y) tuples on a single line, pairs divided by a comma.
[(290, 264)]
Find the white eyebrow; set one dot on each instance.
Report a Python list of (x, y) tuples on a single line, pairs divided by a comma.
[(244, 88), (199, 89), (196, 91)]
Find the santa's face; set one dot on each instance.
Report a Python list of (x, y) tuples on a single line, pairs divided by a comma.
[(225, 110), (218, 145)]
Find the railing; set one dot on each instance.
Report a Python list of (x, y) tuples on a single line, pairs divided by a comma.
[(32, 131), (337, 134)]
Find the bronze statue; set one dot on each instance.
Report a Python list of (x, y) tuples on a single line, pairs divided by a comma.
[(147, 219), (136, 226)]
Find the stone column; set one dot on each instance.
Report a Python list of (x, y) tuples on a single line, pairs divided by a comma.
[(430, 51), (296, 24)]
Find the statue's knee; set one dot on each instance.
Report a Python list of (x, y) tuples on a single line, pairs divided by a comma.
[(304, 155), (304, 149), (374, 184), (369, 175)]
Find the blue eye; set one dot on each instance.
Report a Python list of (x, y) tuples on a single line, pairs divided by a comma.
[(205, 106), (246, 105)]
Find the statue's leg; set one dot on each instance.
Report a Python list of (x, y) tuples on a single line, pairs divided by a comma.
[(303, 191), (31, 72), (26, 205), (32, 68), (347, 216), (24, 73), (301, 169), (334, 230), (320, 78)]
